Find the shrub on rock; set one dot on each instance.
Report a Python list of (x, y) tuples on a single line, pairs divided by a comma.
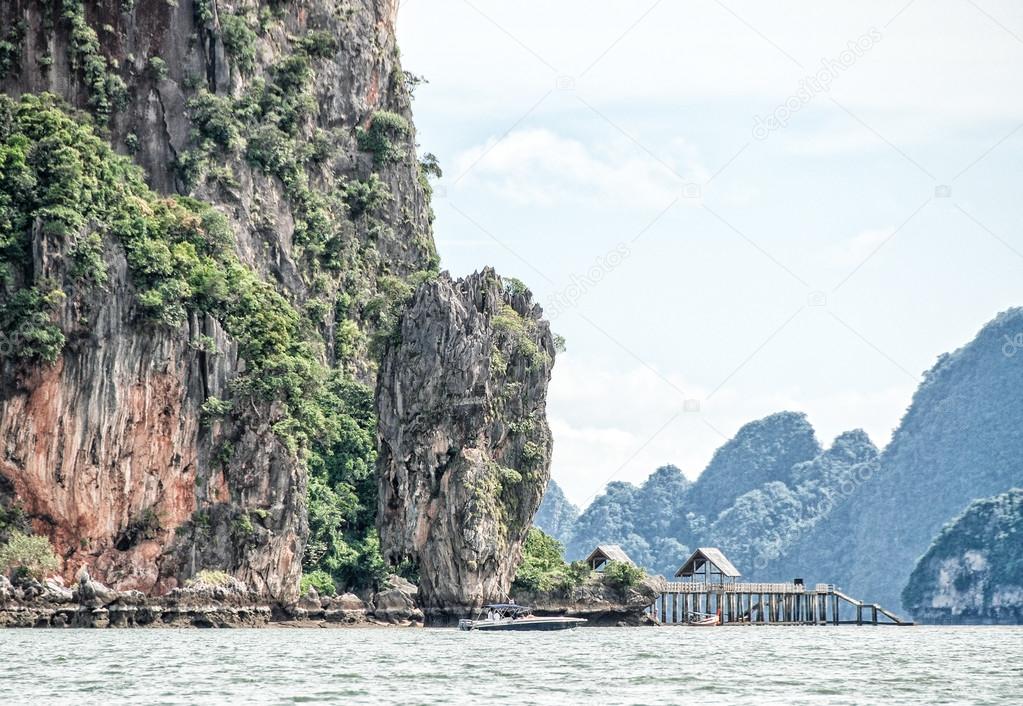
[(28, 555), (623, 575)]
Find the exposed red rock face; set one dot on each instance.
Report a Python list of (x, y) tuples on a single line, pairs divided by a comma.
[(107, 453), (100, 457)]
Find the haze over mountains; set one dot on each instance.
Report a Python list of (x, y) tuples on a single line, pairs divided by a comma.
[(782, 506)]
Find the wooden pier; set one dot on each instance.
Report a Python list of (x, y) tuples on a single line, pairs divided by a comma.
[(709, 588), (765, 604)]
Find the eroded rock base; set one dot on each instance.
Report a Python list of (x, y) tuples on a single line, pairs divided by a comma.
[(89, 604)]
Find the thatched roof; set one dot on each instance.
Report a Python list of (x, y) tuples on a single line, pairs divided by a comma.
[(712, 555), (611, 552)]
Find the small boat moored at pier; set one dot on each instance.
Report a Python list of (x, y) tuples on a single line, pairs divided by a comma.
[(512, 617), (703, 620)]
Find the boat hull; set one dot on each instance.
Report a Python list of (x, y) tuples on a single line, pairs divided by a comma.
[(521, 625)]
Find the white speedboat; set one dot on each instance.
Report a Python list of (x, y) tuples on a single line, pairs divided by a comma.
[(509, 616)]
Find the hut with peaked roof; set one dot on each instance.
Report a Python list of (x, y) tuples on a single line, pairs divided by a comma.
[(709, 565), (600, 557)]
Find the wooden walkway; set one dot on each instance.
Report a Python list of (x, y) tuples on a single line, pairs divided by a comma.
[(766, 604)]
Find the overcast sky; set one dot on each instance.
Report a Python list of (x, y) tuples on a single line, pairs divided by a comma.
[(729, 208)]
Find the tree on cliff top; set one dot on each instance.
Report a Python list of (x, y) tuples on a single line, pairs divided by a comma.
[(543, 567), (623, 575)]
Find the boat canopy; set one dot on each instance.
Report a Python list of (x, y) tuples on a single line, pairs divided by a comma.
[(508, 607)]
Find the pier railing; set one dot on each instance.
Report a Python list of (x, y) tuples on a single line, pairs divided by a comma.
[(701, 587)]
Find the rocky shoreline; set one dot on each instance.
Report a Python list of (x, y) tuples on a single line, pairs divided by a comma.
[(600, 604), (29, 603)]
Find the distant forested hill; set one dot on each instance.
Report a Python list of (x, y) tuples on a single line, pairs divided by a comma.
[(762, 526), (781, 507), (782, 485), (640, 519), (960, 440), (974, 569), (556, 515), (762, 452)]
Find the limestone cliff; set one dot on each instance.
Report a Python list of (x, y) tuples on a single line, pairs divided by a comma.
[(972, 572), (464, 441), (164, 369)]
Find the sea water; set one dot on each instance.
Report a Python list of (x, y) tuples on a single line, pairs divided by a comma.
[(666, 665)]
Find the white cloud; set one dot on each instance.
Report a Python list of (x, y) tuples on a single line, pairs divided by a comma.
[(829, 140), (610, 424), (853, 251), (943, 57), (539, 167)]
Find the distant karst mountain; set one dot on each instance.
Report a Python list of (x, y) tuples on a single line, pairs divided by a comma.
[(958, 441), (782, 507), (762, 525), (974, 570), (787, 483), (556, 515), (762, 452), (640, 519)]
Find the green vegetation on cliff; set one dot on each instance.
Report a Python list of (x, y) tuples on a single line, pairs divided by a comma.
[(385, 137), (209, 577), (239, 41), (544, 570), (10, 48), (60, 180), (974, 568), (58, 177), (342, 489), (622, 575), (107, 91)]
